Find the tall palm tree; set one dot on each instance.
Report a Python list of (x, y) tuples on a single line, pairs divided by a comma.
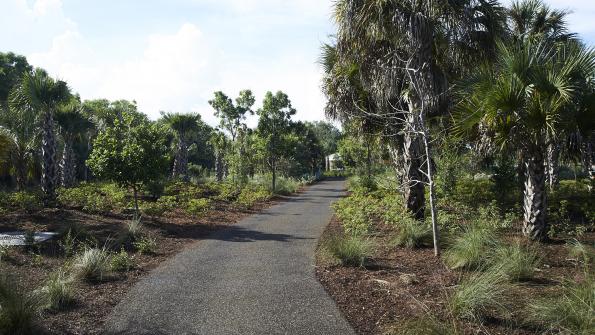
[(182, 125), (527, 98), (44, 94), (401, 55), (220, 145), (73, 124)]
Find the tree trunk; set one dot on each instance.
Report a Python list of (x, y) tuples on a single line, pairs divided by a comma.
[(368, 159), (20, 165), (274, 170), (219, 168), (48, 151), (135, 194), (181, 161), (413, 187), (535, 224), (552, 164), (67, 164)]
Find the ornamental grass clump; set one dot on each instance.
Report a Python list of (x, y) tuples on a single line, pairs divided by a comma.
[(92, 264), (479, 295), (18, 308), (350, 250), (471, 249), (516, 262), (413, 234), (58, 291)]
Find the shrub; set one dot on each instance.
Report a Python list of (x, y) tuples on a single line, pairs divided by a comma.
[(92, 265), (357, 212), (121, 262), (351, 251), (57, 291), (477, 296), (516, 261), (225, 191), (413, 234), (26, 201), (471, 248), (250, 196), (199, 206), (362, 184), (93, 197), (146, 246), (284, 186), (569, 313), (18, 309), (474, 191)]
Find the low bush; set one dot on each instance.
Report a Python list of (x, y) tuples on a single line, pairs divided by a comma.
[(413, 234), (121, 262), (515, 261), (250, 196), (92, 264), (349, 250), (357, 213), (362, 184), (284, 186), (199, 206), (471, 249), (570, 313), (27, 201), (94, 197), (18, 309), (58, 292), (479, 295), (145, 245)]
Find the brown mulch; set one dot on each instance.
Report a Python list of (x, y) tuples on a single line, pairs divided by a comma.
[(94, 301), (400, 285)]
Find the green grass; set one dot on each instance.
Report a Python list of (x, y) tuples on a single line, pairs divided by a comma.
[(515, 261), (471, 248), (58, 291), (479, 295), (413, 234), (350, 251), (18, 309), (92, 264), (426, 325)]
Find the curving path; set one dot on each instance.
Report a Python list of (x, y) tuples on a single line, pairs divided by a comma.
[(256, 277)]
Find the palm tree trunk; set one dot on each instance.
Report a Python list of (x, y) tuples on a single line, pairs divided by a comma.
[(48, 151), (553, 165), (413, 187), (535, 224), (181, 160), (67, 164), (20, 165)]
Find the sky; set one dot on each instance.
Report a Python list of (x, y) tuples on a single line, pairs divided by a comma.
[(172, 55)]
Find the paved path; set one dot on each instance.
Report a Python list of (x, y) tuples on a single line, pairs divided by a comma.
[(257, 277)]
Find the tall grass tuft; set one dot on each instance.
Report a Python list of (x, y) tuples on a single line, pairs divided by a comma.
[(413, 234), (58, 292), (351, 251), (515, 261), (471, 249), (573, 312), (18, 309), (581, 253), (93, 264), (478, 295)]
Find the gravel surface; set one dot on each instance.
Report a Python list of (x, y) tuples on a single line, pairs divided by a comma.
[(256, 277)]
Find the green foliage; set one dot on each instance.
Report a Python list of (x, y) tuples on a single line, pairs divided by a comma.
[(471, 249), (571, 210), (515, 261), (121, 261), (474, 191), (199, 206), (350, 250), (18, 308), (250, 196), (569, 313), (479, 295), (74, 236), (357, 213), (92, 264), (58, 292), (4, 252), (94, 197), (25, 201), (145, 245), (425, 325), (581, 253), (412, 233)]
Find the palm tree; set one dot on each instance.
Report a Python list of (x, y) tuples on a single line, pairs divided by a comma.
[(40, 92), (73, 124), (398, 58), (220, 145), (20, 130), (182, 125), (525, 100)]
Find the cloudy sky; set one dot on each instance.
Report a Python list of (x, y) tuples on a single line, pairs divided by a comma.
[(173, 54)]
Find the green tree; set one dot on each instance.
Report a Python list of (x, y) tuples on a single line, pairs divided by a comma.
[(12, 69), (273, 125), (183, 125), (130, 153), (73, 124), (530, 96), (44, 94)]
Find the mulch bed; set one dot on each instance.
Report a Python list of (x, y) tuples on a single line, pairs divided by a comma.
[(400, 285), (173, 232)]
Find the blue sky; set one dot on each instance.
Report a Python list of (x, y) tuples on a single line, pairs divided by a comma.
[(173, 54)]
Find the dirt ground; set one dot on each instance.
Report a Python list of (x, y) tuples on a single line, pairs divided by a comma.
[(397, 285)]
